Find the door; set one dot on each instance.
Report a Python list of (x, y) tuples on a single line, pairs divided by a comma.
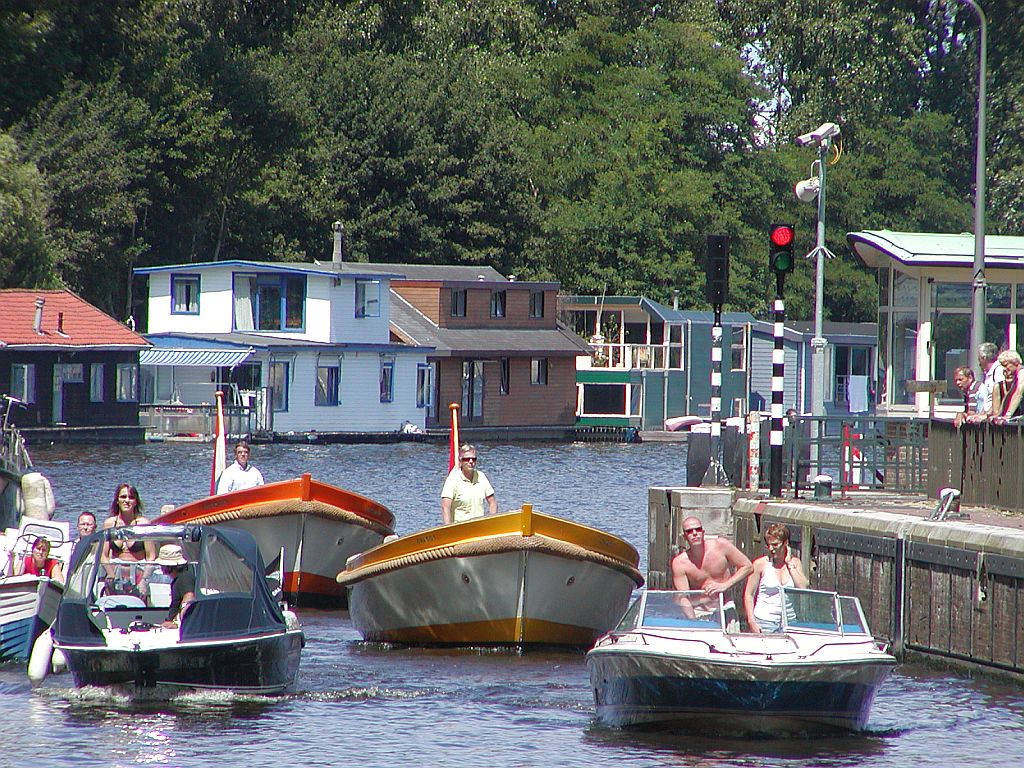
[(64, 373)]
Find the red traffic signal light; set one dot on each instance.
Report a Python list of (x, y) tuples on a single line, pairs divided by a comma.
[(781, 235), (780, 252)]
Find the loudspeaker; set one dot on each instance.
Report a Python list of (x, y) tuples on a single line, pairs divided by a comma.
[(716, 267)]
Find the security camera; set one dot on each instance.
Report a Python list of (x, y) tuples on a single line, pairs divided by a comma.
[(823, 133)]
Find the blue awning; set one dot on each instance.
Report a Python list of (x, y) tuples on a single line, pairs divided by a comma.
[(218, 358)]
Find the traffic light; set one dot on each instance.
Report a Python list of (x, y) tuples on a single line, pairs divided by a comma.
[(780, 253), (716, 267)]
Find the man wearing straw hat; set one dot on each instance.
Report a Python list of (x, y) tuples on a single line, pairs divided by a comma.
[(183, 582)]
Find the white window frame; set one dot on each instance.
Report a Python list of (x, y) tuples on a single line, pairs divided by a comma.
[(539, 371), (367, 300), (187, 284), (424, 385), (333, 399), (127, 383), (23, 382), (387, 381)]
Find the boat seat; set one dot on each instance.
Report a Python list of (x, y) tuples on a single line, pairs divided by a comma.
[(121, 617), (120, 601)]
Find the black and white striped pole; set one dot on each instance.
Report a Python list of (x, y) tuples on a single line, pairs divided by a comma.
[(716, 292), (780, 259)]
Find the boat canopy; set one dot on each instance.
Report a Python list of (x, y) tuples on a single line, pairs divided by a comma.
[(232, 594)]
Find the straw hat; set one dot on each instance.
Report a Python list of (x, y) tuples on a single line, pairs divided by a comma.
[(170, 554)]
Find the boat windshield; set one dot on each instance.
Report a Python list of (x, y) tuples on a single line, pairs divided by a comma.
[(691, 609), (819, 611)]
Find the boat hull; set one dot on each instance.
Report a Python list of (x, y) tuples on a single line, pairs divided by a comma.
[(28, 605), (319, 527), (260, 665), (493, 581), (478, 600), (637, 688)]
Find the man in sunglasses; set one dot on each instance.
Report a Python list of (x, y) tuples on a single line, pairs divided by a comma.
[(466, 490), (713, 565)]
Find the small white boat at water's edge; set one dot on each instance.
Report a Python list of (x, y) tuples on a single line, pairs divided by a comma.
[(674, 662), (515, 579)]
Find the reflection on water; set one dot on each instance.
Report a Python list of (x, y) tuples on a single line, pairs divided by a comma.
[(384, 706)]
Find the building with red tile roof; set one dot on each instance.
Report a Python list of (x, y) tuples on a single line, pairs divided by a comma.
[(67, 362)]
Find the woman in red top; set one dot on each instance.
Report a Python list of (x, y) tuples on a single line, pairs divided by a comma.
[(39, 563)]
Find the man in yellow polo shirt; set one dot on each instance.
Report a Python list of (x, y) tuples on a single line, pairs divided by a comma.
[(466, 489)]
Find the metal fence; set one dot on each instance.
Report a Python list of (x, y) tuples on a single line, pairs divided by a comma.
[(855, 452), (197, 421)]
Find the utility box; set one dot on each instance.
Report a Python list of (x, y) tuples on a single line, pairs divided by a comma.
[(667, 507)]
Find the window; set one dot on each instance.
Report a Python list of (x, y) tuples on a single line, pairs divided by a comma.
[(127, 382), (328, 378), (536, 303), (270, 302), (739, 348), (367, 298), (506, 376), (184, 294), (458, 302), (387, 381), (539, 370), (96, 383), (23, 382), (279, 384), (424, 386), (498, 303)]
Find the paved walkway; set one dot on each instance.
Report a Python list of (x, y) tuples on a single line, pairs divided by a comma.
[(917, 505)]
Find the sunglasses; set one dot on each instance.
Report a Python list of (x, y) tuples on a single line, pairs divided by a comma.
[(693, 530), (469, 458)]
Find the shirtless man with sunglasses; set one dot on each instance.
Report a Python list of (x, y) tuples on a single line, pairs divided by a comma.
[(713, 565)]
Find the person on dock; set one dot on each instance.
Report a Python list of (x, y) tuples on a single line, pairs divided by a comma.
[(713, 565), (973, 391), (991, 378), (1008, 401), (240, 474), (37, 563), (172, 563), (762, 598), (466, 490)]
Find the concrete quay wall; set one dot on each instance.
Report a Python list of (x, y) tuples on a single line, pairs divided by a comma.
[(949, 590)]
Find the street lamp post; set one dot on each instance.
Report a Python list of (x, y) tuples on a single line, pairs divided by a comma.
[(979, 286), (806, 191)]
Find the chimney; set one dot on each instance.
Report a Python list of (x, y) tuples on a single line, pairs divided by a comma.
[(675, 298), (38, 324), (60, 324), (338, 257)]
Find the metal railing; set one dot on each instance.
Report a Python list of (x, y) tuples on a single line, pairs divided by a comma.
[(197, 421), (14, 456), (858, 452), (628, 356)]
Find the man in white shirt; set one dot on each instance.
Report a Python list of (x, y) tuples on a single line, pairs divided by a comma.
[(988, 354), (241, 474)]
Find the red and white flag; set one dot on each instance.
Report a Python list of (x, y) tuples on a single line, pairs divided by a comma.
[(219, 445)]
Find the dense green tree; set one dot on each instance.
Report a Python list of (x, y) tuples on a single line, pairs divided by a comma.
[(26, 259)]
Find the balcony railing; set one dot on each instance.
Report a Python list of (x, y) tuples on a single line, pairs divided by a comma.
[(628, 356)]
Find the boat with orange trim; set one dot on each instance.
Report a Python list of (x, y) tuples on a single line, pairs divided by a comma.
[(520, 578), (317, 525)]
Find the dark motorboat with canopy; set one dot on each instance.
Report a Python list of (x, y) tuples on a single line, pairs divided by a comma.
[(234, 636)]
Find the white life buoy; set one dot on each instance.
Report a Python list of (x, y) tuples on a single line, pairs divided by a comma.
[(37, 496), (41, 657)]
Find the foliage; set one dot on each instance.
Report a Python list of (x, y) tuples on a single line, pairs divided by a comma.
[(594, 142)]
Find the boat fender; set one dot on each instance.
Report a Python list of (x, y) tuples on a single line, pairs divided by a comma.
[(59, 663), (291, 621), (37, 495), (41, 657)]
